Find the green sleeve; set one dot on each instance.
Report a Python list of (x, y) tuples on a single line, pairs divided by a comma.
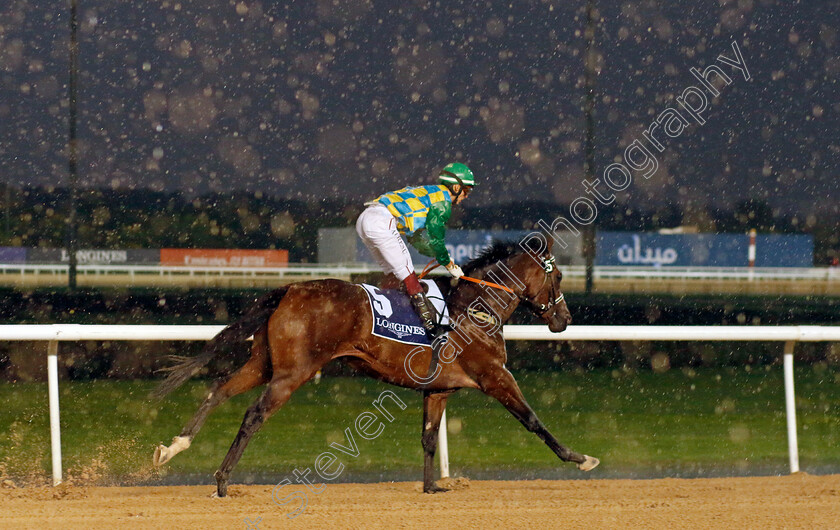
[(436, 228), (420, 241)]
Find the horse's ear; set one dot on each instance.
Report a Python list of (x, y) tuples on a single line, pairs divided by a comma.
[(549, 244), (536, 243)]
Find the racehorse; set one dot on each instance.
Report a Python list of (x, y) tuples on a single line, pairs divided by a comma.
[(299, 328)]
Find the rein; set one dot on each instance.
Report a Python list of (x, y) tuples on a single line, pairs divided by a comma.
[(427, 270), (489, 284)]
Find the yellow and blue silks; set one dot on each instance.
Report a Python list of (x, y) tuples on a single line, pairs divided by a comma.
[(410, 205)]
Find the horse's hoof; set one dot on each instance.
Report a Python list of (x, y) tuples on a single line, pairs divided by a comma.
[(589, 464), (164, 454), (221, 484), (161, 455), (435, 489)]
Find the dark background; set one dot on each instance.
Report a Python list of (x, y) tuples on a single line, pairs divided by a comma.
[(343, 100)]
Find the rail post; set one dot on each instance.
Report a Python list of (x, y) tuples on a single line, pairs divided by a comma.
[(790, 405), (751, 254), (55, 427)]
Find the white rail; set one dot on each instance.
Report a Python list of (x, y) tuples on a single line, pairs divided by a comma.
[(713, 273), (304, 270), (679, 333), (54, 333), (293, 270)]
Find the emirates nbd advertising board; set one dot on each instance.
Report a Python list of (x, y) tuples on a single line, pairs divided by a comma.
[(640, 249)]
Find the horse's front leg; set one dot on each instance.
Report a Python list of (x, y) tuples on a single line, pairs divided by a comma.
[(500, 384), (433, 407)]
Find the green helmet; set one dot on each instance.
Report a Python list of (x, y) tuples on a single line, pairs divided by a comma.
[(456, 173)]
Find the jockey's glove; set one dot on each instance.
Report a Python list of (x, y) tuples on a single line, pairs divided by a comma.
[(454, 270)]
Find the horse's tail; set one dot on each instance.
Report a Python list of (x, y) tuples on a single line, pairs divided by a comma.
[(186, 367)]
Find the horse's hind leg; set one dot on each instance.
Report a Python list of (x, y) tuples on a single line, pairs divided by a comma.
[(278, 392), (501, 385), (256, 371), (433, 407)]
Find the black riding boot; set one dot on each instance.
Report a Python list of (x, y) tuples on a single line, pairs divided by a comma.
[(428, 316), (426, 311)]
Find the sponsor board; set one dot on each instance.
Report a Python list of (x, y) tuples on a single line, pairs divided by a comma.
[(464, 245), (12, 255), (202, 257), (93, 256), (702, 250)]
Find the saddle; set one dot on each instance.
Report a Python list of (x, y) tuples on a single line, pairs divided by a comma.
[(395, 319)]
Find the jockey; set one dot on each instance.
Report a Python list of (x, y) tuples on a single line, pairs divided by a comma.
[(420, 214)]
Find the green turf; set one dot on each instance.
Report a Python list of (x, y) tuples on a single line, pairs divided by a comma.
[(679, 420)]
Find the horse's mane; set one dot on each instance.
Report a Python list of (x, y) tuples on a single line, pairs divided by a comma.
[(496, 252)]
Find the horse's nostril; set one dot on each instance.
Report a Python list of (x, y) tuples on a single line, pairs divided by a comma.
[(568, 320)]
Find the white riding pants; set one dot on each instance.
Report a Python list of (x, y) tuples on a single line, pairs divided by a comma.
[(378, 230)]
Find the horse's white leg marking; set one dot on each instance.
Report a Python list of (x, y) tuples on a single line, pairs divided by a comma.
[(164, 454), (589, 464)]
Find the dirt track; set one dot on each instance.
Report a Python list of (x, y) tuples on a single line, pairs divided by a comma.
[(800, 501)]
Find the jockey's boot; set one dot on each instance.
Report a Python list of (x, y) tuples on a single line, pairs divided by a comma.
[(426, 311)]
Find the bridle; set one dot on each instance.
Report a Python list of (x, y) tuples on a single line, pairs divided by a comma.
[(541, 310), (548, 265)]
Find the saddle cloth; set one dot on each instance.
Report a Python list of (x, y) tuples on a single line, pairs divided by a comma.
[(395, 319)]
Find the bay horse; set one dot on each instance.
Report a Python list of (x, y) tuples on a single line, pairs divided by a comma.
[(299, 328)]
